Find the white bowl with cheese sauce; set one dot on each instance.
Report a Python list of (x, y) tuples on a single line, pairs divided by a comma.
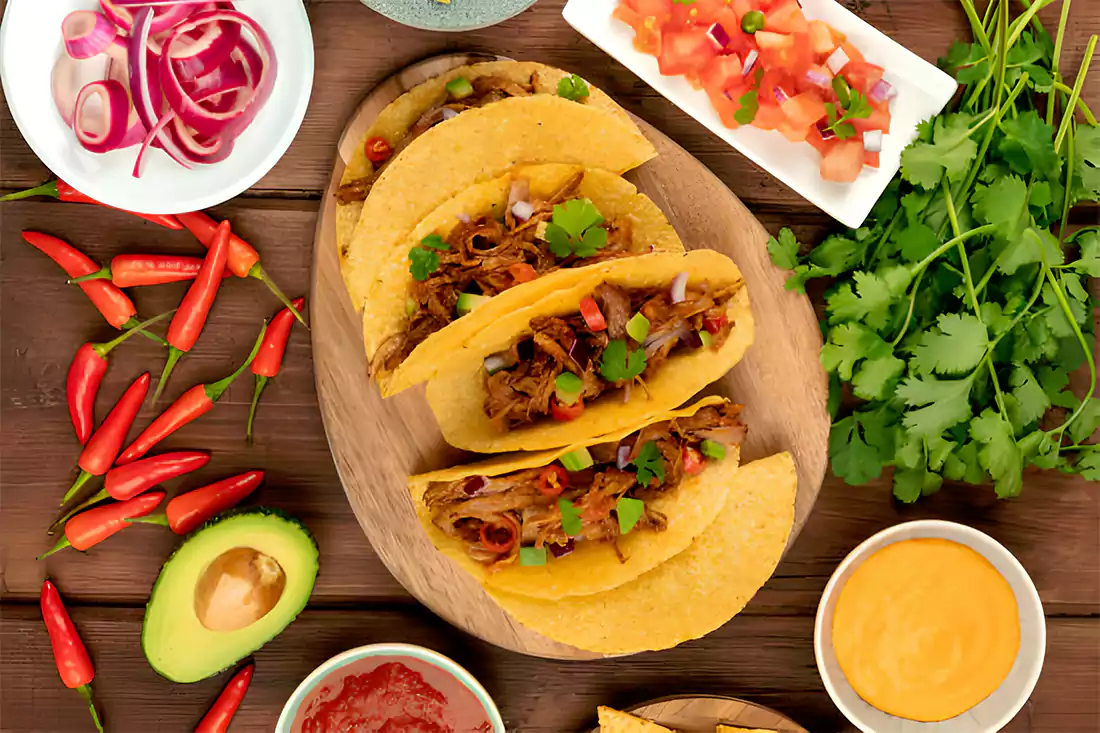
[(994, 711)]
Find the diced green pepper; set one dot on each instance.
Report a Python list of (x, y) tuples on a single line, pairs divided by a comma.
[(411, 306), (577, 460), (629, 512), (568, 388), (532, 556), (460, 88), (637, 327), (706, 338), (713, 449), (843, 91), (468, 301), (752, 21)]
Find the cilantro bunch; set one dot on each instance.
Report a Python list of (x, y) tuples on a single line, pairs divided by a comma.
[(958, 312)]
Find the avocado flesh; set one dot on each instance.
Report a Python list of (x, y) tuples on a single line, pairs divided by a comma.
[(175, 641)]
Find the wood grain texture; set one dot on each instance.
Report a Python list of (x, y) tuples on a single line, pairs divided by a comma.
[(378, 443), (703, 713)]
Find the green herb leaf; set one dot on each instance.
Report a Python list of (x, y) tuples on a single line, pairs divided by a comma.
[(629, 511), (945, 403), (1027, 402), (951, 153), (1089, 263), (422, 263), (573, 88), (749, 106), (1028, 146), (1087, 422), (955, 346), (913, 483), (1089, 465), (620, 364), (852, 459), (857, 108), (1086, 168), (1004, 205), (999, 454), (570, 518), (877, 377), (847, 345), (573, 229), (434, 241), (784, 250), (916, 241), (649, 464)]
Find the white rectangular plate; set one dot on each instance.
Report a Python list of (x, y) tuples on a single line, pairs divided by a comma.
[(923, 90)]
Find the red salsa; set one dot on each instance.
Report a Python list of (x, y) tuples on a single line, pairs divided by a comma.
[(391, 695)]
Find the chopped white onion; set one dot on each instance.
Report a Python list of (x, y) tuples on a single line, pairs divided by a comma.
[(678, 292), (496, 362), (622, 457), (882, 90), (449, 113), (872, 141), (464, 218), (750, 61), (818, 78), (837, 61), (522, 210)]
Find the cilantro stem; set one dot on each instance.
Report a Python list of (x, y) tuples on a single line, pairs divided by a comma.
[(1021, 22), (983, 229), (1084, 108), (978, 26), (1062, 19), (1067, 120), (909, 315), (1035, 19), (1064, 303), (1070, 153), (885, 235)]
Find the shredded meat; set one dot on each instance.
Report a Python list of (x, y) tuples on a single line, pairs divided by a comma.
[(461, 508)]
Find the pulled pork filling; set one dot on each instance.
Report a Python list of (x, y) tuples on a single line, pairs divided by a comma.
[(497, 516), (524, 384), (487, 89), (486, 256)]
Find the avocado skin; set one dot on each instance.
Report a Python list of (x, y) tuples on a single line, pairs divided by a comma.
[(263, 511)]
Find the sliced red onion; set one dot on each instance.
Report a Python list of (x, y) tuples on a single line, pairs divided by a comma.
[(872, 141), (121, 17), (87, 33), (622, 457), (118, 69), (449, 114), (678, 292), (156, 132), (718, 36), (101, 131), (823, 129), (837, 60), (199, 150), (560, 550), (882, 90), (228, 77), (195, 57), (157, 3), (750, 61), (781, 95), (69, 76), (145, 91), (522, 210), (500, 360), (819, 78), (170, 14)]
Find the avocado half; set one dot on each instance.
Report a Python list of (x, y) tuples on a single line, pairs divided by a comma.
[(175, 641)]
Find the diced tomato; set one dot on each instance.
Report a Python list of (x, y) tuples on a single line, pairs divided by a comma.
[(553, 480), (626, 14), (741, 7), (377, 150), (821, 37), (698, 13), (852, 51), (770, 41), (795, 58), (593, 318), (714, 324), (522, 272), (871, 160), (501, 535), (565, 413), (879, 120), (844, 162), (804, 110), (684, 52), (862, 75), (769, 117), (721, 74), (786, 18), (820, 144), (794, 133), (726, 104), (659, 9), (692, 459), (773, 78)]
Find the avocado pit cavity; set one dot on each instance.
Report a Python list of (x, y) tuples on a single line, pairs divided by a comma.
[(238, 589)]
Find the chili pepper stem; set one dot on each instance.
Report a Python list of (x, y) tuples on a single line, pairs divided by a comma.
[(103, 273), (105, 348), (86, 692), (215, 390), (260, 274), (261, 382), (94, 499), (61, 545), (82, 479), (49, 188), (134, 323), (161, 519), (174, 356)]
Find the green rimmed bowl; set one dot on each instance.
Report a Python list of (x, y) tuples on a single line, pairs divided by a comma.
[(458, 15), (409, 651)]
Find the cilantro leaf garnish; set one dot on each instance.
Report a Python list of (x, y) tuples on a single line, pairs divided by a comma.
[(858, 109), (619, 364), (784, 250), (629, 511), (423, 261), (749, 105), (649, 464), (575, 229), (573, 88), (570, 517)]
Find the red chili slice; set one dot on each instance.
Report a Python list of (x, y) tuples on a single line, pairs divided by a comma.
[(553, 480), (591, 313), (377, 150), (565, 413), (714, 324), (692, 458), (491, 532)]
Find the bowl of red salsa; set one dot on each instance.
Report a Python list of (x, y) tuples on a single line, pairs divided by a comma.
[(390, 688)]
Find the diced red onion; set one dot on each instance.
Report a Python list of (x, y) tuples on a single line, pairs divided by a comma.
[(781, 95), (823, 129), (87, 33), (560, 550), (882, 90), (622, 457), (819, 78), (449, 114), (101, 131), (678, 291), (750, 61), (718, 36), (500, 360), (872, 141), (837, 60), (522, 210)]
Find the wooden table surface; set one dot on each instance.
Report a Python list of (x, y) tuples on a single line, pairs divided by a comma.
[(764, 655)]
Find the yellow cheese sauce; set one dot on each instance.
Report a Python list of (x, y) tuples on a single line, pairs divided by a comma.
[(926, 629)]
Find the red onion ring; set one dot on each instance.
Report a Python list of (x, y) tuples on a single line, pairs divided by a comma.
[(204, 54), (69, 76), (87, 33), (145, 90), (112, 123)]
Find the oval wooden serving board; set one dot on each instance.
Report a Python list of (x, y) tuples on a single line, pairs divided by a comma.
[(704, 713), (378, 443)]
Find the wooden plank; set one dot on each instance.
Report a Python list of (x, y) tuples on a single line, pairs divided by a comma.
[(1051, 527), (765, 660), (357, 48)]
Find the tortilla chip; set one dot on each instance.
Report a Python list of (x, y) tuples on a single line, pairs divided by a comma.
[(384, 315), (594, 567), (457, 395), (395, 120), (475, 146), (691, 594), (614, 721)]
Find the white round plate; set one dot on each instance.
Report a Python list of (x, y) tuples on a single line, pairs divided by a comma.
[(30, 43), (992, 713)]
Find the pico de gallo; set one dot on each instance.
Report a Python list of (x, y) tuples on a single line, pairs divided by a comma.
[(763, 63)]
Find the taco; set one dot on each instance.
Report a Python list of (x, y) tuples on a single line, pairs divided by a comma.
[(614, 721), (509, 114), (625, 341), (590, 517), (477, 249), (693, 593)]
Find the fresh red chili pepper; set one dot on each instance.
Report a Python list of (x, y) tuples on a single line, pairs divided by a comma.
[(190, 405), (189, 320), (95, 525), (377, 149), (593, 318), (85, 375), (692, 459), (244, 260), (491, 531), (188, 511), (553, 480), (133, 271), (714, 324), (270, 359), (221, 713), (61, 190), (69, 654), (102, 448)]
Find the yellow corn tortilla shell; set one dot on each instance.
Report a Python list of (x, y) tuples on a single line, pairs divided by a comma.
[(384, 314), (593, 567), (731, 729), (693, 593), (475, 146), (613, 721), (457, 395), (398, 117)]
